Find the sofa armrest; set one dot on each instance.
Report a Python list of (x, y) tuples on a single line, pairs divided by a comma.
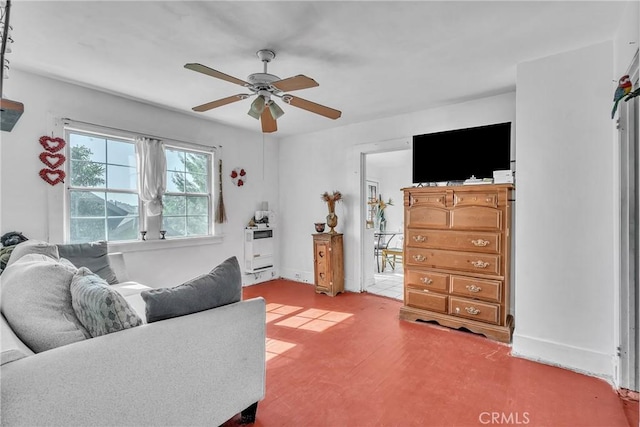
[(116, 261), (199, 369)]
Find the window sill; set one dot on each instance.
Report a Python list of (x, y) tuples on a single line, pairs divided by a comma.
[(158, 244)]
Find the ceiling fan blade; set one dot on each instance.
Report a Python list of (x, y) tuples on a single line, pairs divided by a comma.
[(294, 83), (220, 102), (268, 122), (311, 106), (214, 73)]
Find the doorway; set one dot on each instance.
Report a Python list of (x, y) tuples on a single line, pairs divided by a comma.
[(384, 175)]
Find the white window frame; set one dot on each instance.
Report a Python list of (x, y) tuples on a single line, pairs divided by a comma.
[(104, 132), (172, 145)]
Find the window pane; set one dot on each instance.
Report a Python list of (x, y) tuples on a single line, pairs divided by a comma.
[(122, 204), (175, 182), (86, 204), (175, 160), (121, 153), (175, 226), (197, 225), (87, 174), (85, 147), (196, 183), (197, 205), (86, 230), (123, 228), (122, 177), (196, 163), (174, 205)]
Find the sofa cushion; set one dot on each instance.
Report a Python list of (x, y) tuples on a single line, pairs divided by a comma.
[(36, 302), (93, 255), (101, 310), (221, 286), (33, 247)]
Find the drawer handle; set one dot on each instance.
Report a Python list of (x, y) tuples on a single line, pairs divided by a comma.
[(473, 288), (419, 238), (426, 280), (480, 264), (321, 254), (321, 275), (419, 258), (480, 243), (489, 200), (472, 310)]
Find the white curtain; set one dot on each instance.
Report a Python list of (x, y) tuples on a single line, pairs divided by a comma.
[(152, 173)]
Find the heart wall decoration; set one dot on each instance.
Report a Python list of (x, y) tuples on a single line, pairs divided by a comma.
[(51, 176), (238, 177), (52, 145), (51, 160)]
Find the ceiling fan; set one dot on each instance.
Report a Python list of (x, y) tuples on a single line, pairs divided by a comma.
[(266, 86)]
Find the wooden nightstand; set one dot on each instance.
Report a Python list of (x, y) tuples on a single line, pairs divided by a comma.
[(328, 263)]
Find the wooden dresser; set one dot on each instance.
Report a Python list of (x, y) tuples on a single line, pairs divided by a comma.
[(456, 261), (328, 263)]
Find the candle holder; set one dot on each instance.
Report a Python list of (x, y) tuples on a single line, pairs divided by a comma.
[(143, 234), (162, 233)]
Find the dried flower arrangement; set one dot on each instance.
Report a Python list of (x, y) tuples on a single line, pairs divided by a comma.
[(331, 199)]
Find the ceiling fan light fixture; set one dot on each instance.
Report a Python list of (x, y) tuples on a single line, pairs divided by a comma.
[(276, 111), (257, 107)]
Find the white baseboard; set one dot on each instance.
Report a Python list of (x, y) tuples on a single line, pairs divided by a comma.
[(576, 359)]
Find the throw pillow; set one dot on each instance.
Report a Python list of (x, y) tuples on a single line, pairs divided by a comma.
[(36, 302), (221, 286), (101, 309), (33, 247), (93, 255)]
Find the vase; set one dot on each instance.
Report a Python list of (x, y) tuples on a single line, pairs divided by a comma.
[(383, 225), (332, 222)]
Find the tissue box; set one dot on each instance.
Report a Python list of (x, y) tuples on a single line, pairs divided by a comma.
[(503, 177)]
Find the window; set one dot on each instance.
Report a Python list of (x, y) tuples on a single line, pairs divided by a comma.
[(103, 198), (103, 201), (187, 199)]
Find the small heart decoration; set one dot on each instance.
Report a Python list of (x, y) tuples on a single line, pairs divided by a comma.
[(51, 176), (52, 145), (52, 161)]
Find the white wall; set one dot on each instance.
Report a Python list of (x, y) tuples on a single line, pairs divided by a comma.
[(565, 263), (30, 205), (313, 163)]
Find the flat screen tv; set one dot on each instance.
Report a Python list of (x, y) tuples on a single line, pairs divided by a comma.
[(457, 155)]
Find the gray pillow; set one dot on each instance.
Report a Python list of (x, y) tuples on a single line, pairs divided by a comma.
[(101, 309), (221, 286), (36, 302), (33, 247), (93, 255)]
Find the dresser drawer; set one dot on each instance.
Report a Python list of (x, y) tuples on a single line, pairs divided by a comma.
[(427, 216), (476, 310), (425, 300), (467, 261), (476, 199), (430, 199), (476, 217), (427, 280), (489, 290), (454, 240)]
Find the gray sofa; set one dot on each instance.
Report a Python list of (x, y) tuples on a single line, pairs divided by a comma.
[(198, 369)]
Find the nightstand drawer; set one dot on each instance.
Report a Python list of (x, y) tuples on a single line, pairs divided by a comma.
[(454, 240), (426, 300), (470, 287), (476, 310), (427, 280)]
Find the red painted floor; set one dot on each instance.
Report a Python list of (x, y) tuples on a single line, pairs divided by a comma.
[(349, 361)]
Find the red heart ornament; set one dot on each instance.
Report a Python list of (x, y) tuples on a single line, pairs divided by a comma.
[(52, 161), (53, 177), (52, 144)]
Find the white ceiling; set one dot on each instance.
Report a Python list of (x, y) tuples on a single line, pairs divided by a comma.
[(371, 59)]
